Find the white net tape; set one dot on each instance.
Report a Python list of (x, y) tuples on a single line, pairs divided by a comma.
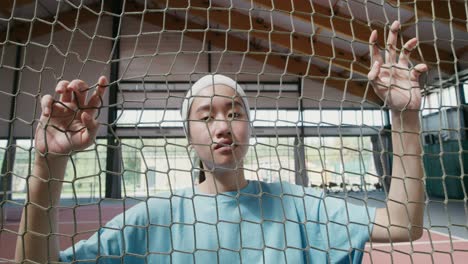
[(325, 167)]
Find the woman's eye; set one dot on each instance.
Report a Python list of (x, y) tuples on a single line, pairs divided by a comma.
[(205, 118), (234, 115)]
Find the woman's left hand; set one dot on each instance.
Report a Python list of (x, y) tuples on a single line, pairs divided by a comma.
[(393, 81)]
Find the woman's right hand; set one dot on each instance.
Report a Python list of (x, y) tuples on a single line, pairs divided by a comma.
[(69, 124)]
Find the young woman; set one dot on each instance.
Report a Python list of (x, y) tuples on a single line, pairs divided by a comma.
[(227, 219)]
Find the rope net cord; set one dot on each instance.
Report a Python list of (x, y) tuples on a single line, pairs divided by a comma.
[(320, 154)]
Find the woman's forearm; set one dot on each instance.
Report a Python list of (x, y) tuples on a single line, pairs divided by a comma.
[(39, 220), (406, 196), (402, 218)]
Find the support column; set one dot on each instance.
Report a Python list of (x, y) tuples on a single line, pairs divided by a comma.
[(382, 156), (6, 179), (113, 161), (462, 108), (299, 151)]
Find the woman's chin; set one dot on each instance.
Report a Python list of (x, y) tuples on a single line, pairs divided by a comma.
[(225, 164)]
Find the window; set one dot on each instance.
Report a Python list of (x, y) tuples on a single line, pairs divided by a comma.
[(275, 118), (259, 117), (172, 118), (3, 145), (185, 86), (255, 87), (270, 159), (149, 118), (84, 176), (347, 160), (439, 100), (22, 167), (465, 90), (154, 165), (152, 86), (343, 117)]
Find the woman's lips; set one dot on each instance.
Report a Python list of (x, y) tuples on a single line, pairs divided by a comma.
[(224, 146), (225, 149)]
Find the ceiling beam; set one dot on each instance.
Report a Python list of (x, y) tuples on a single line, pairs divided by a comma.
[(294, 42), (24, 31), (447, 12), (461, 51), (293, 64), (7, 5), (353, 29), (236, 45)]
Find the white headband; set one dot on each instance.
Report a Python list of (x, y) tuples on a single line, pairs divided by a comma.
[(207, 81)]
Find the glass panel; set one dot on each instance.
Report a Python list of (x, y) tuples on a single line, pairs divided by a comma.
[(312, 117), (133, 167), (85, 175), (430, 103), (275, 118), (154, 86), (270, 159), (372, 117), (154, 165), (449, 96), (465, 90), (185, 86), (343, 117), (440, 100), (269, 87), (340, 162), (149, 118), (3, 145), (260, 118), (24, 158)]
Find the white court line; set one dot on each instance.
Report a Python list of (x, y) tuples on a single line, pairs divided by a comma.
[(455, 240), (443, 234), (376, 245), (83, 222), (68, 222)]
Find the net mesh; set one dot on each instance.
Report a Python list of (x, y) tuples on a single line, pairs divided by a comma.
[(316, 121)]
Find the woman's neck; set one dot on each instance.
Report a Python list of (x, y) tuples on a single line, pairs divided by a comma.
[(220, 181)]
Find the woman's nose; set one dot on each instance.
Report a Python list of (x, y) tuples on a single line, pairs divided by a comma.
[(221, 127)]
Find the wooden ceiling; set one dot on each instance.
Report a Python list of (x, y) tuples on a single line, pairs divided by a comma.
[(296, 52)]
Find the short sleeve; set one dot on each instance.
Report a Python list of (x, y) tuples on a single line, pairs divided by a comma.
[(335, 229), (104, 246), (115, 242), (346, 227)]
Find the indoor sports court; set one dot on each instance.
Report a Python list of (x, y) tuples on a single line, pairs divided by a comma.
[(353, 110)]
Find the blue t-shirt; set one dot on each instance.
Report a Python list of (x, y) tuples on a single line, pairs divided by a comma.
[(262, 223)]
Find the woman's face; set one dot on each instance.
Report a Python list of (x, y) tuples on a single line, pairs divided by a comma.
[(219, 128)]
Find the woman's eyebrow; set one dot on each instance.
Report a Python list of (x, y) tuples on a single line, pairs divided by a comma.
[(231, 103), (234, 103), (203, 108)]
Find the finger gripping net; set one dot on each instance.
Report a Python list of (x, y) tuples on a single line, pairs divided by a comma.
[(353, 141)]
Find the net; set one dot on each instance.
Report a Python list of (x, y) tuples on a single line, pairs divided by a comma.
[(322, 154)]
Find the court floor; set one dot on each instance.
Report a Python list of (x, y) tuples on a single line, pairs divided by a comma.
[(445, 239)]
